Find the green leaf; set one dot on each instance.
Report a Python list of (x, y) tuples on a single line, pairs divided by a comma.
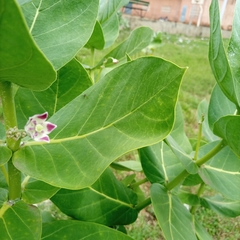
[(97, 39), (2, 132), (5, 154), (3, 196), (173, 218), (129, 179), (80, 230), (219, 106), (192, 180), (72, 80), (178, 132), (203, 111), (221, 205), (21, 61), (124, 111), (20, 221), (138, 39), (128, 58), (159, 163), (228, 128), (3, 182), (108, 22), (108, 8), (234, 50), (21, 2), (184, 158), (217, 56), (129, 165), (113, 202), (61, 28), (188, 198), (222, 172), (110, 30), (36, 191)]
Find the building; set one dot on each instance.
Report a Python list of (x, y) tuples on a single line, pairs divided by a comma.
[(193, 12)]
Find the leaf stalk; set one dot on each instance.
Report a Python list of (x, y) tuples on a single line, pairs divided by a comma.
[(176, 181), (143, 204)]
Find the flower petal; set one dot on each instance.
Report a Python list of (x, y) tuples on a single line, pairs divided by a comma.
[(42, 138), (41, 117), (50, 126)]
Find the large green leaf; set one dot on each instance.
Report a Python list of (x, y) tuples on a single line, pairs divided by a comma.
[(217, 56), (113, 202), (20, 221), (72, 80), (234, 50), (173, 217), (80, 230), (219, 106), (61, 28), (131, 107), (36, 191), (228, 128), (138, 39), (222, 172), (21, 61), (159, 163), (5, 154), (221, 205)]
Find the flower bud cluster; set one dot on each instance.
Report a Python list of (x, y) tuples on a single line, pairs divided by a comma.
[(15, 133)]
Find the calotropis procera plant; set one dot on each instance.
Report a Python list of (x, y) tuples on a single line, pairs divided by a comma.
[(100, 111)]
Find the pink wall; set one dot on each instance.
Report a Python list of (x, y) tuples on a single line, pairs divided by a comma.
[(174, 10)]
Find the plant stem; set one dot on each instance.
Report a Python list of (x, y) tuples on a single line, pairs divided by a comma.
[(212, 153), (199, 192), (143, 204), (177, 180), (199, 138), (10, 120), (136, 184), (92, 65), (14, 178)]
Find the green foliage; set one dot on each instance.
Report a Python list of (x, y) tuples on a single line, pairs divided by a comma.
[(100, 110), (21, 60)]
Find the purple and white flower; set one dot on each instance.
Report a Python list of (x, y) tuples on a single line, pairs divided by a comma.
[(38, 129)]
